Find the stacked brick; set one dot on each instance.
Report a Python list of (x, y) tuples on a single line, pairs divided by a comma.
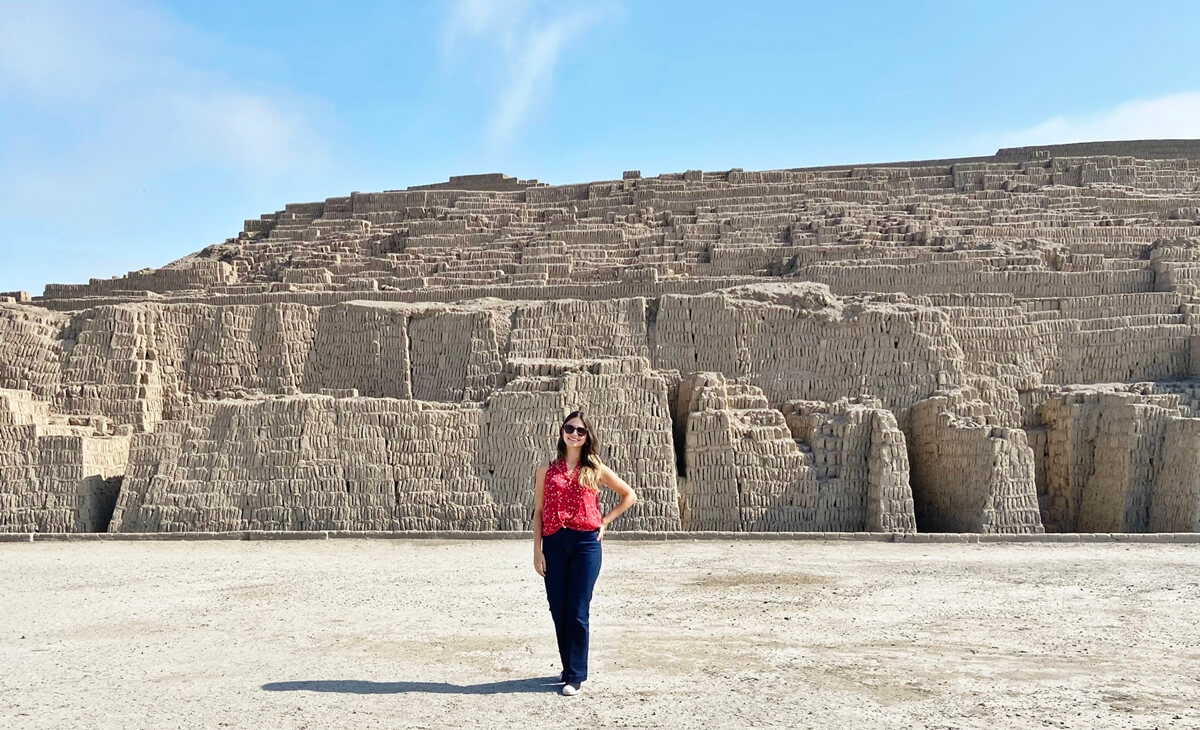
[(363, 348), (744, 469), (1175, 501), (56, 474), (813, 466), (573, 329), (112, 366), (399, 360), (798, 342), (190, 273), (454, 354), (969, 475), (861, 458), (31, 349), (1047, 226), (1119, 459), (322, 463)]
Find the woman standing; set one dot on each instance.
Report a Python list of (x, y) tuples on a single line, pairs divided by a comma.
[(567, 530)]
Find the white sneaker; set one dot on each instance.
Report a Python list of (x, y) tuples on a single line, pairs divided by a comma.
[(570, 690)]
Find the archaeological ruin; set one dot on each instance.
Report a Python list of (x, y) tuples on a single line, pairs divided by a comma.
[(1000, 344)]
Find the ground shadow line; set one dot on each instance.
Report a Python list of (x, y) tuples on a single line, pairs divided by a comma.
[(364, 687)]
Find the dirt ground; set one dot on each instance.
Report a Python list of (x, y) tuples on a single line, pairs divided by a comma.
[(439, 633)]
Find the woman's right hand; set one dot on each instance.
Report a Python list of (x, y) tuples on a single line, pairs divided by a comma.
[(539, 563)]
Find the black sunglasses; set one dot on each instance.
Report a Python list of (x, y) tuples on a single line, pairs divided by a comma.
[(569, 429)]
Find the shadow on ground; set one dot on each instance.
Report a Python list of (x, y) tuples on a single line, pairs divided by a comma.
[(362, 687)]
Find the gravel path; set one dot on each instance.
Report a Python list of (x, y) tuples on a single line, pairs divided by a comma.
[(434, 633)]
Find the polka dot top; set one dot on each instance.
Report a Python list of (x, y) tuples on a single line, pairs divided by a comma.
[(567, 503)]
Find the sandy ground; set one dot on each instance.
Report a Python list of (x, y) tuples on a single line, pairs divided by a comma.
[(433, 633)]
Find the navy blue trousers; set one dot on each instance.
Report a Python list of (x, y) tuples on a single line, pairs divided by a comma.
[(572, 566)]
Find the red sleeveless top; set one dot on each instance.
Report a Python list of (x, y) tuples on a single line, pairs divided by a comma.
[(567, 503)]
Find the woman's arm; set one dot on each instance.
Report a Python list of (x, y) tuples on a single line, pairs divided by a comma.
[(618, 485), (539, 498)]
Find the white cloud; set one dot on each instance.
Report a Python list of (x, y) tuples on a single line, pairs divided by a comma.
[(517, 44), (1176, 116), (103, 98)]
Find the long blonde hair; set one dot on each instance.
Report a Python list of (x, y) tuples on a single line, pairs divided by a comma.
[(589, 460)]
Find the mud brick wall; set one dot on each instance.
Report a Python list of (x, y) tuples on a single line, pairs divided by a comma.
[(1127, 455), (1175, 503), (769, 330), (811, 466), (862, 458), (184, 275), (1105, 449), (306, 463), (219, 350), (969, 475), (576, 329), (800, 343), (139, 363), (744, 469), (56, 476), (31, 346), (112, 367), (1076, 340), (889, 485), (316, 462), (942, 277), (365, 348), (455, 355), (1130, 352)]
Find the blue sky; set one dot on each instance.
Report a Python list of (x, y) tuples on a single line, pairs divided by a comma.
[(135, 132)]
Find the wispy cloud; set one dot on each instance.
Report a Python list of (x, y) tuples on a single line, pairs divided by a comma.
[(518, 44), (102, 98), (1176, 116)]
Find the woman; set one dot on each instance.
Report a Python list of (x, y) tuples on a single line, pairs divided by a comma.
[(567, 530)]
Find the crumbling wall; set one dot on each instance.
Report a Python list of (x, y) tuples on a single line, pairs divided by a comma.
[(31, 346), (307, 463), (111, 367), (1175, 502), (575, 329), (798, 342), (1073, 340), (182, 275), (744, 469), (810, 467), (317, 462), (861, 459), (969, 475), (140, 363), (1016, 277), (889, 482), (1106, 447), (56, 475), (220, 351)]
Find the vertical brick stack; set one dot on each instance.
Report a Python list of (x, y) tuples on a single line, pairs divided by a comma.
[(1118, 460), (812, 466), (56, 474), (969, 475)]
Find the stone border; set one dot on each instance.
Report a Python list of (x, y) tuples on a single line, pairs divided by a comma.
[(904, 537)]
